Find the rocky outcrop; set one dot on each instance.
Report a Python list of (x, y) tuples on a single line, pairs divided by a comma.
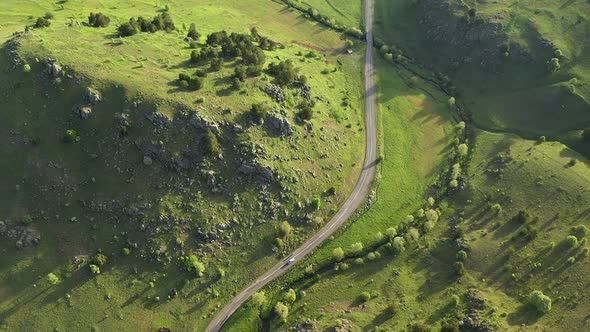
[(85, 112), (258, 172), (23, 236), (92, 96), (53, 68), (279, 124), (275, 92)]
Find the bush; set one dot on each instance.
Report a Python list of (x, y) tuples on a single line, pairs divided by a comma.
[(284, 72), (42, 22), (586, 134), (364, 296), (459, 268), (192, 32), (290, 296), (338, 254), (463, 149), (356, 248), (98, 20), (258, 112), (570, 242), (496, 209), (211, 145), (127, 29), (306, 110), (282, 310), (259, 299), (461, 256), (126, 251), (27, 220), (399, 244), (285, 228), (391, 232), (216, 64), (580, 231), (553, 65), (99, 259), (316, 204), (540, 301), (94, 269), (53, 279), (191, 263)]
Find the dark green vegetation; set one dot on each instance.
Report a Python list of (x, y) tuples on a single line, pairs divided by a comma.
[(138, 192)]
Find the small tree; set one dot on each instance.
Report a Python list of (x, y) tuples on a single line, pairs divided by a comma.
[(192, 32), (356, 248), (459, 268), (463, 149), (285, 228), (211, 145), (553, 65), (399, 244), (391, 232), (100, 259), (94, 269), (258, 112), (42, 22), (281, 310), (70, 135), (540, 301), (365, 296), (259, 299), (338, 254), (461, 256), (98, 20), (53, 278), (571, 242), (580, 231), (290, 296), (192, 263)]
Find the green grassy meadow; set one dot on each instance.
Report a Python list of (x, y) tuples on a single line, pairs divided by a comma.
[(345, 12)]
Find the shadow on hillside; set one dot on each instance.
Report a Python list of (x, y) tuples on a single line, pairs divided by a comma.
[(523, 315)]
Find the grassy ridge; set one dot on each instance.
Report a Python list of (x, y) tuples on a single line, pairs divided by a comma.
[(50, 179)]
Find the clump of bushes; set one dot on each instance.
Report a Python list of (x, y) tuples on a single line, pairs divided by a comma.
[(193, 33), (284, 73), (306, 110), (258, 112), (189, 83), (98, 20), (192, 264), (44, 21), (160, 22)]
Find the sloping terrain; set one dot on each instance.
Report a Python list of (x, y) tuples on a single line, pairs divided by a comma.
[(134, 201)]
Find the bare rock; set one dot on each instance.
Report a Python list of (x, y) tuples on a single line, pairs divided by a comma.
[(92, 96), (85, 112)]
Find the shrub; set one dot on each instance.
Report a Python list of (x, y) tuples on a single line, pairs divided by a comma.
[(285, 228), (127, 29), (192, 32), (586, 134), (306, 110), (281, 310), (461, 256), (53, 279), (356, 248), (459, 268), (290, 296), (391, 232), (463, 149), (570, 242), (99, 259), (316, 204), (98, 20), (553, 65), (359, 261), (126, 251), (580, 231), (523, 216), (191, 263), (253, 71), (451, 102), (364, 296), (258, 112), (216, 64), (412, 235), (371, 256), (94, 269), (540, 301), (42, 22), (211, 145), (496, 209), (279, 242), (27, 219), (431, 215), (338, 254), (259, 299), (284, 72), (399, 244)]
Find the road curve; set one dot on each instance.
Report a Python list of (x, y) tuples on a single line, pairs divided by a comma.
[(355, 199)]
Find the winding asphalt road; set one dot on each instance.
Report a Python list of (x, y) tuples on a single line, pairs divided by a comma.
[(355, 199)]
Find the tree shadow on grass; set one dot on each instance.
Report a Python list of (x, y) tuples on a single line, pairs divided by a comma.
[(523, 315)]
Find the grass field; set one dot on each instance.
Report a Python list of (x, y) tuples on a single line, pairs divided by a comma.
[(346, 12), (416, 133), (85, 196)]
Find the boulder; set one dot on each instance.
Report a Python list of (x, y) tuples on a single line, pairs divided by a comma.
[(92, 96), (85, 112), (279, 125), (147, 160), (53, 68), (260, 172)]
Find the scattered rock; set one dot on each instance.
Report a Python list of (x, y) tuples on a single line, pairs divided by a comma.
[(275, 92), (85, 112), (92, 96), (53, 68), (279, 124), (147, 160)]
